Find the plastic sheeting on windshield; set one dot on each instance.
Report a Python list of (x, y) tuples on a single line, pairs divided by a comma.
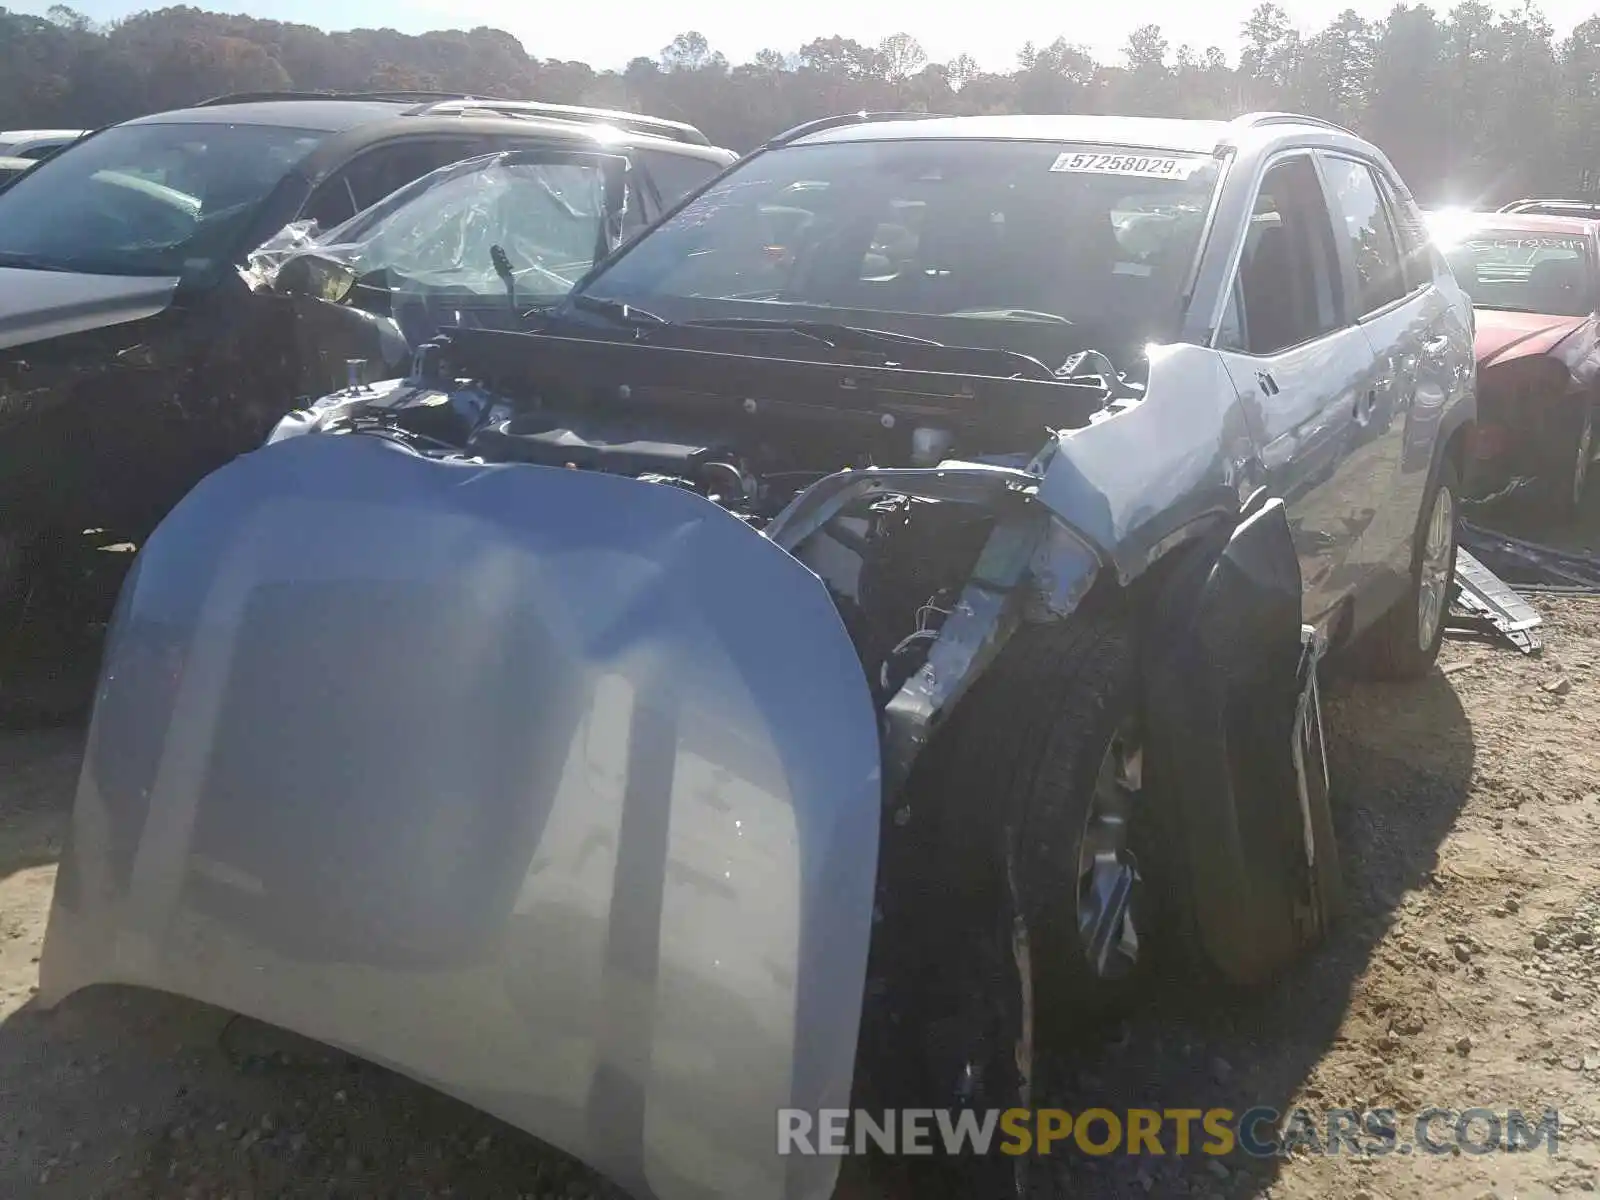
[(436, 236)]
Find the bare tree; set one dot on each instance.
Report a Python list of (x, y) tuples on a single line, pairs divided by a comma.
[(900, 56), (961, 70)]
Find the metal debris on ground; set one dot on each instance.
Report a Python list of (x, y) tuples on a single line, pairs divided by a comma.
[(1493, 567), (1485, 605)]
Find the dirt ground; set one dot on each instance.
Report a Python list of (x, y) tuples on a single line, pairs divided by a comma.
[(1468, 808)]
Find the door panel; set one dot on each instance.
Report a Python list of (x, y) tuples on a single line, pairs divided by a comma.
[(1298, 368), (1400, 313), (1304, 431)]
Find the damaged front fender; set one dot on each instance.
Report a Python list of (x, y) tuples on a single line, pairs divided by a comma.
[(554, 789)]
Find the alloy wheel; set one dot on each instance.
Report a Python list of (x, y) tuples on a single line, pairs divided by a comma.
[(1438, 555), (1108, 873)]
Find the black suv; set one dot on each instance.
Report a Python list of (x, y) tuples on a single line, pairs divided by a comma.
[(136, 356)]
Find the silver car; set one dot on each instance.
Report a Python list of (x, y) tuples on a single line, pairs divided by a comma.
[(844, 643)]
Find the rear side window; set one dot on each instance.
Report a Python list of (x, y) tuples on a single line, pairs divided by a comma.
[(1418, 263), (1287, 290), (1363, 221), (675, 175), (371, 176)]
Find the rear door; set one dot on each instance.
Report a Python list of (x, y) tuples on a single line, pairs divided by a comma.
[(1298, 366), (1407, 321)]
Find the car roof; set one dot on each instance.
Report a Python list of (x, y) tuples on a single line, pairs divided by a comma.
[(1530, 222), (386, 118), (1250, 135), (328, 116), (1199, 137)]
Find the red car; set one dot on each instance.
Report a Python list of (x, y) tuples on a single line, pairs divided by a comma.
[(1535, 294)]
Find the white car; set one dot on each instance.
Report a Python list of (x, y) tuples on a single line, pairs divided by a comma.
[(36, 143)]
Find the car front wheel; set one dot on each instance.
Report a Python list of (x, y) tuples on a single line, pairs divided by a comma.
[(1044, 770)]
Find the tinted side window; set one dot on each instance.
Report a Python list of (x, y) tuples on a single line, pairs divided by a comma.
[(372, 175), (675, 175), (635, 216), (1363, 220), (1416, 254), (1287, 284)]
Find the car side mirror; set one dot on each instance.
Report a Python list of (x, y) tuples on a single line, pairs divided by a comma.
[(313, 275)]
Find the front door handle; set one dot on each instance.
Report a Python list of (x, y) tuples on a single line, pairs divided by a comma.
[(1269, 385)]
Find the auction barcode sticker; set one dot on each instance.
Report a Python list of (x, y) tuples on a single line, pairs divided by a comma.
[(1150, 166)]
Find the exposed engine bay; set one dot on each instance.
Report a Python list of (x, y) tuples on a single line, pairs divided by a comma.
[(893, 513)]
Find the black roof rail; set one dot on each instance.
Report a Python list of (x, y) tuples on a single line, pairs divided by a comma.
[(855, 118), (1255, 119), (677, 131), (391, 97)]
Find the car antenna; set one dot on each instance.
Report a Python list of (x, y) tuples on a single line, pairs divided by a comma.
[(502, 268)]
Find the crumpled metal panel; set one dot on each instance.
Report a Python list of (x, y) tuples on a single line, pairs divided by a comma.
[(1143, 479), (554, 789)]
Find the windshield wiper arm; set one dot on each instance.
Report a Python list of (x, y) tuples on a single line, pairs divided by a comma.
[(622, 314), (861, 337), (829, 332)]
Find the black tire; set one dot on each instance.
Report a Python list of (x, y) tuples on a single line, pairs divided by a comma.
[(1025, 751), (977, 959), (1394, 648), (948, 1018), (1567, 465)]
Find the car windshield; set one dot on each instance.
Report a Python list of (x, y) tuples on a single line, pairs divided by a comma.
[(166, 200), (1521, 270), (1001, 232), (439, 231)]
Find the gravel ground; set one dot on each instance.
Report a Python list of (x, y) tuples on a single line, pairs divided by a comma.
[(1468, 808)]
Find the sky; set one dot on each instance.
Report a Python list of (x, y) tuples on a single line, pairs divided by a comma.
[(624, 29)]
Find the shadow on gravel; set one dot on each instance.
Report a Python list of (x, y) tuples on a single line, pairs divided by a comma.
[(38, 776), (1401, 760), (122, 1093), (1522, 517)]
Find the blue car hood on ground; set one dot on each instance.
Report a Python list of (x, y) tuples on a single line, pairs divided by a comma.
[(36, 305), (554, 789)]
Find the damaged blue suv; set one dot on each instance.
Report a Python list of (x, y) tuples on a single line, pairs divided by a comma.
[(843, 644)]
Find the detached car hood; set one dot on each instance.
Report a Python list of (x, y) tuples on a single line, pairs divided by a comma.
[(36, 305), (554, 789), (1505, 336)]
